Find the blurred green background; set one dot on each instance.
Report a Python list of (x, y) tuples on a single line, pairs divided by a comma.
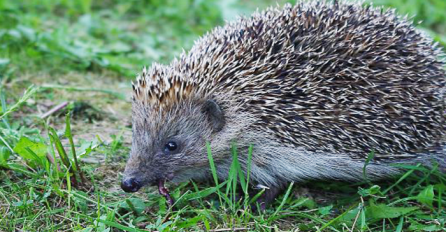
[(59, 36)]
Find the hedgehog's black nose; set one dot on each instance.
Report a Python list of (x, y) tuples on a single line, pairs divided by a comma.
[(130, 185)]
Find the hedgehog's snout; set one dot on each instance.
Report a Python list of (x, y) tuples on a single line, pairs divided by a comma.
[(130, 185)]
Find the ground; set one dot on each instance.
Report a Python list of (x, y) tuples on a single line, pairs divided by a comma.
[(83, 54)]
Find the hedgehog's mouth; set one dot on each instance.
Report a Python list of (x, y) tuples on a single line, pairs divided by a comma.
[(164, 191)]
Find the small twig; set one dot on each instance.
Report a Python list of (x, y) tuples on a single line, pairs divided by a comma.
[(54, 110), (68, 219), (357, 215), (51, 159), (29, 167)]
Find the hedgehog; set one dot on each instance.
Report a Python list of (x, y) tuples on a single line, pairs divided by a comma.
[(315, 88)]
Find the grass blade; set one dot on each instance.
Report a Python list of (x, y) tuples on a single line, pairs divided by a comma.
[(285, 198), (68, 134), (213, 168), (60, 149), (26, 95)]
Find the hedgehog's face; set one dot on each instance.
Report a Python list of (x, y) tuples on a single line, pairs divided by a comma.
[(170, 146)]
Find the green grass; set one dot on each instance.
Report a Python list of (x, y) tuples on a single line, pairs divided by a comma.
[(62, 173)]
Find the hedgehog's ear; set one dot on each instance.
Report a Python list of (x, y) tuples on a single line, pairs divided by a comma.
[(215, 114)]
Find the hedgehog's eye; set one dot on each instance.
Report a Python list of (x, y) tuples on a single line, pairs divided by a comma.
[(170, 146)]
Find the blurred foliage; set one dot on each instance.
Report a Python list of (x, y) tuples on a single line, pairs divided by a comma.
[(431, 14), (61, 35), (58, 36)]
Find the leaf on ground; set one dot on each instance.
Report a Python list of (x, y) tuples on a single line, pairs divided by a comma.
[(87, 147), (348, 217), (415, 226), (381, 211), (135, 205), (190, 222), (369, 191), (426, 196), (304, 203), (325, 210), (40, 149)]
